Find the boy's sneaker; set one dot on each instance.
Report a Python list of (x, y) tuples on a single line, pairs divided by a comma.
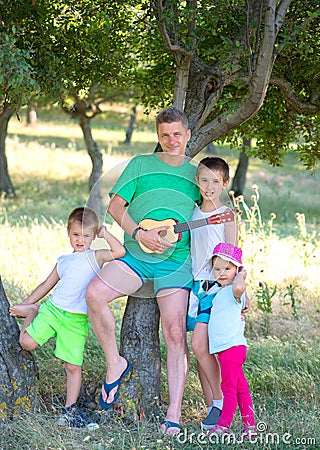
[(211, 419), (219, 429), (249, 433), (72, 417)]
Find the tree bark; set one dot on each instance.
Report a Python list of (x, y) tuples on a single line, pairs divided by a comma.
[(31, 115), (139, 343), (18, 371), (239, 179), (211, 149), (95, 196), (6, 185), (79, 111), (131, 126)]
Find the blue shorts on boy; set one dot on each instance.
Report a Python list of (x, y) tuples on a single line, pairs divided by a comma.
[(200, 302), (69, 329)]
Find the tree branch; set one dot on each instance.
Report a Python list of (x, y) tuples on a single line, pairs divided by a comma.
[(257, 90), (174, 48), (299, 106), (280, 13)]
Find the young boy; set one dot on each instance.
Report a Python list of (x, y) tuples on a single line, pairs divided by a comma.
[(212, 178), (65, 315), (226, 338)]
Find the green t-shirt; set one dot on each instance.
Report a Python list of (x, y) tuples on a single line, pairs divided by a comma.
[(156, 190)]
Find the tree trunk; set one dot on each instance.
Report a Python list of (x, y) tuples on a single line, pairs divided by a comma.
[(31, 115), (6, 185), (239, 179), (132, 124), (95, 196), (211, 149), (139, 343), (18, 372)]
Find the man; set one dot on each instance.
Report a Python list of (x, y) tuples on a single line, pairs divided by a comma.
[(157, 186)]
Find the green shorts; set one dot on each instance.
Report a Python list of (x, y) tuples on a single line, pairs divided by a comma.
[(165, 274), (69, 329)]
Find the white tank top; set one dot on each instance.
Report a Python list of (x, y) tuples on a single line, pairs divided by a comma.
[(75, 270), (203, 241)]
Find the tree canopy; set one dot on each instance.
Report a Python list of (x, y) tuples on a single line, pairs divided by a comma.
[(239, 69), (68, 45)]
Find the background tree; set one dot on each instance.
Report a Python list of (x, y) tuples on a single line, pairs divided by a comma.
[(75, 45), (219, 60), (54, 49), (84, 109), (17, 83)]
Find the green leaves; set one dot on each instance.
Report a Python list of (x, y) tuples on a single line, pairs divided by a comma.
[(17, 77)]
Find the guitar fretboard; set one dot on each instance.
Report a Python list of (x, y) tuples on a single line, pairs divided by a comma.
[(181, 227)]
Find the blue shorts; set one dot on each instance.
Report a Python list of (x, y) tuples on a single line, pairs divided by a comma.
[(165, 274), (205, 301), (200, 302)]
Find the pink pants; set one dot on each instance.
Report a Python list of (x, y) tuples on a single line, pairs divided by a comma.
[(235, 387)]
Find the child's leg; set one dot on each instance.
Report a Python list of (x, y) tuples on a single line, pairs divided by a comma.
[(205, 385), (208, 367), (30, 312), (245, 401), (74, 379), (231, 365)]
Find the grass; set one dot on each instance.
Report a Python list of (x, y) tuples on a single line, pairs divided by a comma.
[(49, 168)]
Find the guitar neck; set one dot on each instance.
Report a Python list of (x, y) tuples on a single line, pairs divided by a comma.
[(185, 226)]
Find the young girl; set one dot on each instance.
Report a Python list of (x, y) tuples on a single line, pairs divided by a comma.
[(226, 337), (65, 315)]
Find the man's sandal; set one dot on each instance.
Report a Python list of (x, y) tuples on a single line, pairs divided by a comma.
[(108, 388), (168, 424)]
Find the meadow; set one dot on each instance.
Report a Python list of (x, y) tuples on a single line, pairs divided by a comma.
[(49, 168)]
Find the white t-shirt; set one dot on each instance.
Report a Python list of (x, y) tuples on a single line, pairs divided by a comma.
[(75, 270), (203, 241), (226, 324)]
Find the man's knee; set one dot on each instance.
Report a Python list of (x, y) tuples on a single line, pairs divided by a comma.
[(94, 293), (176, 335)]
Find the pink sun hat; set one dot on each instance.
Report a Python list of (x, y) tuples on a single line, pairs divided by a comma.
[(229, 252)]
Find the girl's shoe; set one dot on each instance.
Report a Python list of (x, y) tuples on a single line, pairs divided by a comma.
[(219, 429), (249, 433)]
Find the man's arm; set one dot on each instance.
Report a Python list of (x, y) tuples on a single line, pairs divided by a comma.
[(150, 239)]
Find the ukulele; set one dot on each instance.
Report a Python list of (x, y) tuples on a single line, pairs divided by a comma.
[(174, 233)]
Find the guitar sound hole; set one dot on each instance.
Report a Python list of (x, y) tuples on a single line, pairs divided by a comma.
[(163, 233)]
